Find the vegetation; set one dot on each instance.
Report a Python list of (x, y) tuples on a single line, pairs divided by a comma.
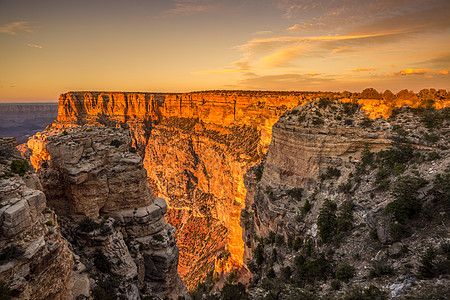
[(234, 292), (345, 272), (115, 143), (102, 262), (406, 203), (11, 252), (381, 268), (295, 193), (327, 221), (331, 173), (88, 225), (19, 166)]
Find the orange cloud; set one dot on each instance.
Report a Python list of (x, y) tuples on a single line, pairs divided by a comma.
[(425, 72), (15, 28), (364, 70)]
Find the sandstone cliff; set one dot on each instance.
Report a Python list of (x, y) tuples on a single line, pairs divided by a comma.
[(196, 148), (94, 179), (35, 261), (344, 207)]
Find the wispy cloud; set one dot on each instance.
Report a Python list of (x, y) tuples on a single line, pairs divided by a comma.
[(307, 27), (364, 70), (15, 28), (33, 45), (188, 7), (424, 72)]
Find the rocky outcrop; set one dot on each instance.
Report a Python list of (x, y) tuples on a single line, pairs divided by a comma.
[(330, 199), (96, 181), (35, 261)]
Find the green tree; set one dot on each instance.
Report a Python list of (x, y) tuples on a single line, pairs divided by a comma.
[(326, 220)]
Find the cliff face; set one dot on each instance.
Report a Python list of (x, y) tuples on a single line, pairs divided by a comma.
[(347, 206), (97, 183), (35, 261), (197, 147)]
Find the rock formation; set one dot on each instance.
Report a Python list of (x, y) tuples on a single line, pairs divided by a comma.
[(349, 207), (96, 182), (196, 148), (35, 261)]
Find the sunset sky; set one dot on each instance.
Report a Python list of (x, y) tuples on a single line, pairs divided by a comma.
[(51, 47)]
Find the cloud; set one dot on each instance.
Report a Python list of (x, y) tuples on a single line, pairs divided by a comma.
[(16, 28), (34, 45), (364, 70), (424, 72), (224, 71), (188, 7), (307, 27), (440, 61), (263, 32)]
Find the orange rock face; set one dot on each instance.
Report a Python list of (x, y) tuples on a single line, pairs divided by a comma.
[(196, 148)]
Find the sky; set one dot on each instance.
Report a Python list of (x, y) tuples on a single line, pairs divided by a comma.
[(49, 47)]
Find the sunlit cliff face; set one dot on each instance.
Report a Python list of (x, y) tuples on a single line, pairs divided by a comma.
[(196, 149)]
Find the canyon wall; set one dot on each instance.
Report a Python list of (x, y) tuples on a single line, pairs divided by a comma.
[(196, 148), (96, 182), (35, 260), (331, 194)]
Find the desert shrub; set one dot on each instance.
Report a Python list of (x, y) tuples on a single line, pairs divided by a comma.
[(106, 289), (381, 268), (297, 244), (331, 173), (115, 143), (286, 273), (258, 254), (279, 240), (158, 237), (326, 220), (19, 166), (367, 157), (399, 231), (441, 188), (433, 155), (49, 223), (345, 272), (259, 172), (398, 153), (370, 293), (336, 285), (366, 122), (64, 132), (271, 273), (234, 292), (306, 207), (317, 121), (312, 269), (296, 193), (406, 203), (350, 108), (427, 268), (88, 225), (348, 122), (132, 150), (11, 252), (102, 262), (345, 187), (432, 137)]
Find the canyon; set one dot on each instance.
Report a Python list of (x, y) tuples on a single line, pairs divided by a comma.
[(196, 148), (208, 155)]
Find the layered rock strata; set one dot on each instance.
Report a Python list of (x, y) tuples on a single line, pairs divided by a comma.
[(96, 181), (329, 194), (35, 261), (196, 147)]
